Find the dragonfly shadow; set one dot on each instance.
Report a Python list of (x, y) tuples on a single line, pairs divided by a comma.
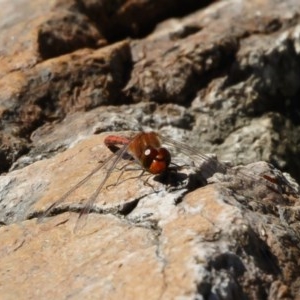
[(176, 178)]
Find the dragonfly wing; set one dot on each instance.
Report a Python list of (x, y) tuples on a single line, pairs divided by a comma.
[(74, 188), (88, 206), (211, 165), (208, 165)]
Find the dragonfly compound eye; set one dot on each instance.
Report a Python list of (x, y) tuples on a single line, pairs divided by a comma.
[(157, 161)]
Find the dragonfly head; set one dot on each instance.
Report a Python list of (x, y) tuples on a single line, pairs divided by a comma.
[(155, 160)]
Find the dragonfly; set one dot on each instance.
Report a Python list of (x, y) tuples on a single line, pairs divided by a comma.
[(146, 149)]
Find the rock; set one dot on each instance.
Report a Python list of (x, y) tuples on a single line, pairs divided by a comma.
[(181, 61), (220, 79), (46, 89), (216, 240)]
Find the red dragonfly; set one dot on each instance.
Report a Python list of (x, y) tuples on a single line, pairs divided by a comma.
[(145, 148)]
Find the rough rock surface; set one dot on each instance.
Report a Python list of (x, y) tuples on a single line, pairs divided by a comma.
[(227, 238), (220, 76)]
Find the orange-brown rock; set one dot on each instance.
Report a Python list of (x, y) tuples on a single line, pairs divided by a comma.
[(143, 239), (220, 76)]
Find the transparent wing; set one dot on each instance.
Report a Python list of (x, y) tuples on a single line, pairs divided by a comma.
[(106, 162), (88, 206), (213, 165)]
